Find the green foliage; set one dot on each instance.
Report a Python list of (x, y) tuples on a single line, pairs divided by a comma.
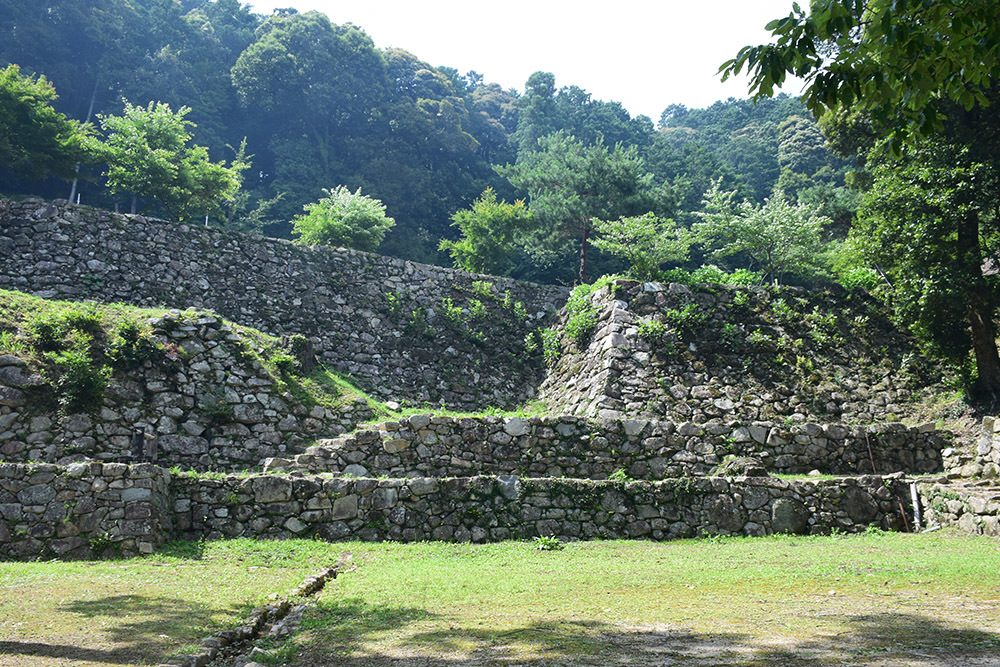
[(572, 185), (619, 476), (709, 274), (492, 233), (548, 543), (131, 343), (35, 139), (455, 315), (581, 319), (652, 330), (147, 153), (284, 362), (551, 347), (779, 237), (686, 321), (78, 379), (344, 218), (782, 312), (477, 310), (897, 62), (646, 242)]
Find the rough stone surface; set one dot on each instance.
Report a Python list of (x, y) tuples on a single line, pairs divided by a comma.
[(376, 318), (594, 449)]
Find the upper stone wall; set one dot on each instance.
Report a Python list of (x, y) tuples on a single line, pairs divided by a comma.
[(677, 353), (406, 331)]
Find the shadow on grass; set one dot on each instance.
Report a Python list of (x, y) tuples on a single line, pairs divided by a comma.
[(135, 629), (350, 633)]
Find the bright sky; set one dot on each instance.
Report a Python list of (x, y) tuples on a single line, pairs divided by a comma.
[(646, 54)]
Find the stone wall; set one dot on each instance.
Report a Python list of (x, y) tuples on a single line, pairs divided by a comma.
[(83, 510), (484, 509), (972, 506), (93, 509), (406, 331), (437, 446), (678, 353), (209, 403)]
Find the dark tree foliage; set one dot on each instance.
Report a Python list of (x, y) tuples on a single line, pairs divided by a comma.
[(320, 106)]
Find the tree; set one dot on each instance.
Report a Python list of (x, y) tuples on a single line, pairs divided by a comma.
[(924, 224), (777, 237), (147, 155), (571, 186), (491, 235), (646, 242), (35, 139), (899, 61), (344, 218), (923, 72)]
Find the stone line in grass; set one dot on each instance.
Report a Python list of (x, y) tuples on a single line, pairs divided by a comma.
[(259, 620)]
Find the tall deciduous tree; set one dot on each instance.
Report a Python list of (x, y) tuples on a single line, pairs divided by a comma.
[(646, 242), (35, 139), (921, 223), (921, 70), (147, 154), (571, 186), (778, 237), (344, 218), (492, 233), (900, 61)]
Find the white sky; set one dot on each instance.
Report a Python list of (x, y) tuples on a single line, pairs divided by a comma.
[(646, 54)]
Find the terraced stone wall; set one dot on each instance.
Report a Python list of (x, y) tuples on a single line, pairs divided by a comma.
[(206, 405), (677, 353), (406, 331), (83, 510), (94, 509), (437, 446), (973, 506)]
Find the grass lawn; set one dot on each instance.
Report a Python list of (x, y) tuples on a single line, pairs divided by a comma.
[(139, 611), (876, 599), (873, 599)]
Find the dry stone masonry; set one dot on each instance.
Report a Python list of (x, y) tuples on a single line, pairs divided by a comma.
[(82, 510), (406, 331), (208, 403), (682, 354), (437, 446)]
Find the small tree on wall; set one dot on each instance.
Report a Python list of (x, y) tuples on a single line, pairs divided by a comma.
[(344, 218)]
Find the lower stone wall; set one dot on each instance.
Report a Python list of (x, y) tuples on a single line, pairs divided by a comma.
[(973, 507), (94, 509), (82, 510), (429, 446), (482, 509)]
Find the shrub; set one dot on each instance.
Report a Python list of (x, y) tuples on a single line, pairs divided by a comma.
[(344, 218)]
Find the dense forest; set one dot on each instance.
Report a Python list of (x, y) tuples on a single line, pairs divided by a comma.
[(291, 125), (320, 106)]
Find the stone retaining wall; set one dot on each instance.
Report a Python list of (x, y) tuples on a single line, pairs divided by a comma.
[(435, 446), (88, 509), (484, 509), (407, 331), (973, 507), (209, 404), (83, 510), (696, 354)]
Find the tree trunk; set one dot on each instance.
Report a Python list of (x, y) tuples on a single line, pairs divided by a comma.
[(583, 256), (980, 308)]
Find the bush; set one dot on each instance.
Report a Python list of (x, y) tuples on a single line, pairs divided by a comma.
[(344, 218)]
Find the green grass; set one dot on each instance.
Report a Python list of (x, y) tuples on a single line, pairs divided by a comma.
[(138, 611), (779, 600), (811, 600)]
